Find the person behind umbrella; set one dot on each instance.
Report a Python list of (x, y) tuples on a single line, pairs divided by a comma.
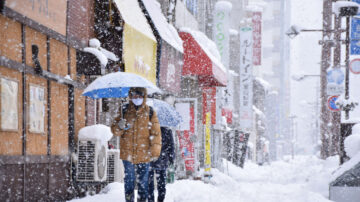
[(140, 142), (159, 166)]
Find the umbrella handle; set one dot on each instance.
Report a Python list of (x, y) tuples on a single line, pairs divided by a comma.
[(121, 109)]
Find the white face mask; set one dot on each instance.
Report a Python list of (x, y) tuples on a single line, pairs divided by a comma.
[(137, 101)]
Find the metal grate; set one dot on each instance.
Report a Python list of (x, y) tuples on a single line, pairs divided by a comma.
[(86, 161), (111, 167)]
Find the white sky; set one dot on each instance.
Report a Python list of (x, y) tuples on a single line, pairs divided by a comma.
[(305, 53)]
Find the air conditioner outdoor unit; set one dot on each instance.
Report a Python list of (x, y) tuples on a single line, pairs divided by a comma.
[(114, 166), (92, 161)]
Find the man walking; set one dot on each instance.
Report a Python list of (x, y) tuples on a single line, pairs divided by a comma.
[(159, 166), (140, 142)]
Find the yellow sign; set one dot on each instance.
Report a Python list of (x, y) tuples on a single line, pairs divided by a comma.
[(207, 143), (139, 53), (50, 13)]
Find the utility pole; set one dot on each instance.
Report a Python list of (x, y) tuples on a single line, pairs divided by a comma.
[(325, 63), (336, 116)]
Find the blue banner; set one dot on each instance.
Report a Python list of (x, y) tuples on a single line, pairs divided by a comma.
[(355, 34)]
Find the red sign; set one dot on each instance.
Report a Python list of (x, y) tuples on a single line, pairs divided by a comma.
[(355, 66), (332, 103), (209, 103), (186, 143), (228, 114), (256, 23)]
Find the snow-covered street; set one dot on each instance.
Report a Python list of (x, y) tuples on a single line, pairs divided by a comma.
[(303, 179)]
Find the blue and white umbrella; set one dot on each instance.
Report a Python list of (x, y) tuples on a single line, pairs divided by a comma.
[(167, 115), (117, 84)]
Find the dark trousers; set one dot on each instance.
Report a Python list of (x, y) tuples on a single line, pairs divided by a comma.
[(142, 175), (161, 184)]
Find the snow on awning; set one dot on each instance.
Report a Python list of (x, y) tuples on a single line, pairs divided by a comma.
[(202, 58), (207, 45), (265, 84), (167, 31), (258, 112), (131, 13)]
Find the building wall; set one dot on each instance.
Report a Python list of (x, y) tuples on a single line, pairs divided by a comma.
[(81, 24), (36, 165)]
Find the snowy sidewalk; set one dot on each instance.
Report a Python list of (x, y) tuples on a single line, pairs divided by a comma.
[(304, 179)]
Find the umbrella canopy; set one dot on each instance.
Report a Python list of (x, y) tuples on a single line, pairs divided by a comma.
[(117, 84), (166, 113)]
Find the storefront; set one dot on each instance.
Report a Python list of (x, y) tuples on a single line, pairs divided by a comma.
[(139, 43), (201, 61), (41, 104), (131, 39)]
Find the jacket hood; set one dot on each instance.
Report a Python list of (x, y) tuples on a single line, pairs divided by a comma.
[(143, 90)]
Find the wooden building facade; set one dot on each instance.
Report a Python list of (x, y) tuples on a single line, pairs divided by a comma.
[(41, 104)]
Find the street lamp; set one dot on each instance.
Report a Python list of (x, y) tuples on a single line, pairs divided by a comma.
[(299, 77), (295, 30)]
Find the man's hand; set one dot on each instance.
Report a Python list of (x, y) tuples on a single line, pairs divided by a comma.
[(122, 124), (153, 158)]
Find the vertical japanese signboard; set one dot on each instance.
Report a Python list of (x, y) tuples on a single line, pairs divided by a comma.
[(221, 30), (355, 34), (246, 78), (221, 38), (256, 22), (9, 105)]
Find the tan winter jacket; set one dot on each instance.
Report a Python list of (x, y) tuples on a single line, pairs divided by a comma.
[(143, 139)]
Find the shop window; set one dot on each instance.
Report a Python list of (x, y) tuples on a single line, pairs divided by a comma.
[(37, 109), (9, 105)]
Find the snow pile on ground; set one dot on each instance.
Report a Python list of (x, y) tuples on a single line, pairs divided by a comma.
[(98, 132), (303, 179), (352, 149), (352, 142)]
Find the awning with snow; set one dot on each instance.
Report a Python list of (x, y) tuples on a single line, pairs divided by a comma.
[(139, 43), (166, 31), (202, 59), (170, 53)]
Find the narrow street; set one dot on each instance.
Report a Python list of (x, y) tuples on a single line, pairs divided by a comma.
[(143, 100), (303, 179)]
